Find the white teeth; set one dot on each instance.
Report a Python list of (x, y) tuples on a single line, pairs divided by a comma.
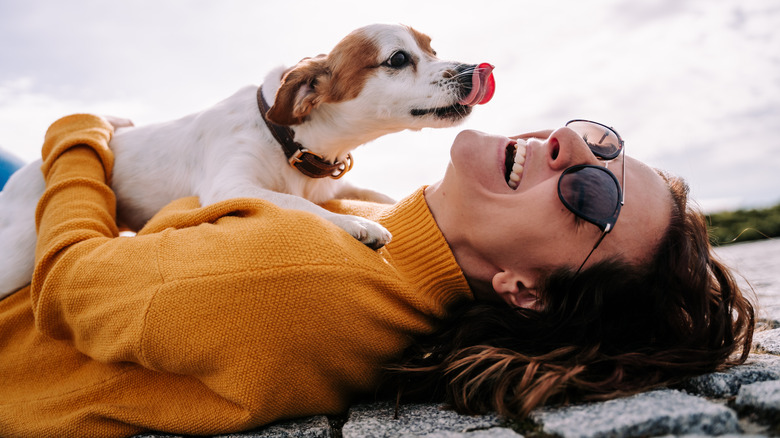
[(520, 156), (517, 168)]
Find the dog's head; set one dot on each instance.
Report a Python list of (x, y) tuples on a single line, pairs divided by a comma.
[(387, 76)]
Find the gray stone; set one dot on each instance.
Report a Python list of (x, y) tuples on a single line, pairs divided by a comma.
[(646, 414), (758, 368), (311, 427), (414, 420), (762, 398), (493, 432), (156, 435), (767, 341), (728, 435)]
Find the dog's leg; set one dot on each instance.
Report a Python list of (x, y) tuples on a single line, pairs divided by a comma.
[(18, 201), (348, 191), (366, 231)]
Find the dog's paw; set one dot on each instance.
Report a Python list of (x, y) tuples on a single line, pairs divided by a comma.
[(367, 232)]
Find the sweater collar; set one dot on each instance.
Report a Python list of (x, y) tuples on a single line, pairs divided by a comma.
[(420, 252)]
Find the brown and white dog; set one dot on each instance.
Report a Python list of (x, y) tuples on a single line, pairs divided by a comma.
[(379, 79)]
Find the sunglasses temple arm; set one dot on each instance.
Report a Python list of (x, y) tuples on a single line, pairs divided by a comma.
[(623, 189), (603, 233)]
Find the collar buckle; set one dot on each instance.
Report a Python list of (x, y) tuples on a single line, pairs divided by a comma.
[(302, 159), (313, 165)]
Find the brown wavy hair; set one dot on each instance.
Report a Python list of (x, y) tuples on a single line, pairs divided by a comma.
[(612, 330)]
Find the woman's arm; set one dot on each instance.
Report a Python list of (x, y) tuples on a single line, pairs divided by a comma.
[(278, 312), (89, 287)]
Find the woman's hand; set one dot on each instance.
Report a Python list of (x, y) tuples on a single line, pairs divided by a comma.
[(118, 122)]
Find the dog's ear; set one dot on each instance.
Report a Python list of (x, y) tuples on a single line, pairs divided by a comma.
[(298, 94)]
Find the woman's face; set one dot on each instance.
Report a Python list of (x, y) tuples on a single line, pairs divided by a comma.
[(506, 239)]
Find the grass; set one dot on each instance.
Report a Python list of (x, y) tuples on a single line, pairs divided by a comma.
[(744, 225)]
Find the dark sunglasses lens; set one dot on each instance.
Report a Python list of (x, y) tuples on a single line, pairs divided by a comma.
[(589, 192), (603, 141)]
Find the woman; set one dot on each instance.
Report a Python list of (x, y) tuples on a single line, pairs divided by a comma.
[(222, 318)]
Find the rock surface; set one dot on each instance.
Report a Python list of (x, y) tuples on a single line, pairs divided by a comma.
[(741, 401), (652, 413), (428, 420)]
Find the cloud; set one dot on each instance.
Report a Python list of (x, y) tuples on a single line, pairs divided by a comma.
[(686, 83), (25, 114)]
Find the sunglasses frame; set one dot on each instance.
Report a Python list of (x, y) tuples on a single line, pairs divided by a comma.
[(621, 143), (604, 224)]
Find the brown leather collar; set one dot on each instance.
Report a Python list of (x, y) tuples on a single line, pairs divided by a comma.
[(307, 162)]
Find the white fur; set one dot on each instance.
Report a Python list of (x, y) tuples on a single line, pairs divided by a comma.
[(227, 151)]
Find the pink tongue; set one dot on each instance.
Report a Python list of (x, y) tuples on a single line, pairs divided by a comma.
[(482, 86)]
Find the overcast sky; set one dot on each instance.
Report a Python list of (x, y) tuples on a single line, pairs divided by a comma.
[(692, 86)]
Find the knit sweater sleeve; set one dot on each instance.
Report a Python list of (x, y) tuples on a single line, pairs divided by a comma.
[(269, 313), (89, 287)]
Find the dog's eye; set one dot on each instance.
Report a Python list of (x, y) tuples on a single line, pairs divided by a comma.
[(398, 59)]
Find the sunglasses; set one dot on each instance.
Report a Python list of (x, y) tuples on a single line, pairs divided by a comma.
[(592, 192)]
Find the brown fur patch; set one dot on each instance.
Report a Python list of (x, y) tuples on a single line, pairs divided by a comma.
[(295, 98), (350, 63), (423, 40), (337, 77)]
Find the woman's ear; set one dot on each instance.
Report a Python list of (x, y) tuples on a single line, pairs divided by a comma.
[(513, 289)]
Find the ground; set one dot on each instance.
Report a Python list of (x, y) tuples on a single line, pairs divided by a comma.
[(743, 401)]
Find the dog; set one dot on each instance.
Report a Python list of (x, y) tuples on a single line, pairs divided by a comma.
[(379, 79)]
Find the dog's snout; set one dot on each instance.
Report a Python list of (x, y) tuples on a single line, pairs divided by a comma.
[(463, 75), (464, 72), (465, 68), (475, 83)]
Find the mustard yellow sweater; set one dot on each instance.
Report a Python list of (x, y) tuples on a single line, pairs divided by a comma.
[(212, 319)]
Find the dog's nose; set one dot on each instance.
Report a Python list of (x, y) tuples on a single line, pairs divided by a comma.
[(463, 73), (476, 83)]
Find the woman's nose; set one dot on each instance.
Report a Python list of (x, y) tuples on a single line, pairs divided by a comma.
[(566, 148)]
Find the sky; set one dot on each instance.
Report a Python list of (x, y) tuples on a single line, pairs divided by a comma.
[(693, 86)]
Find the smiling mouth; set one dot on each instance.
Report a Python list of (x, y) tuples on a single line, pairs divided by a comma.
[(509, 161), (514, 163), (452, 112)]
